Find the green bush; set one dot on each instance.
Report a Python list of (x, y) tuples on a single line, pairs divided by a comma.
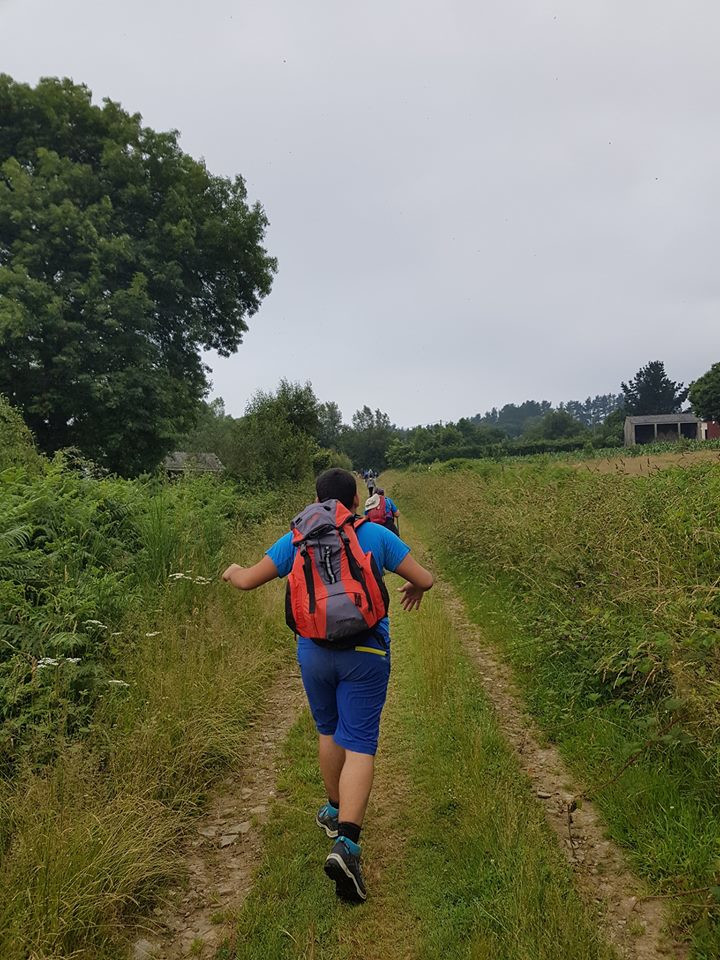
[(17, 448), (80, 553)]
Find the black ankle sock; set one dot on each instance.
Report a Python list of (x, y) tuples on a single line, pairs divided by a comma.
[(349, 830), (334, 803)]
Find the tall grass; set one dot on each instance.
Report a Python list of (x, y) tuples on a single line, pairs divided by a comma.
[(94, 834), (128, 675), (603, 590)]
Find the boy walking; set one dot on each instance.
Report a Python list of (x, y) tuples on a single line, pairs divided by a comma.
[(337, 606)]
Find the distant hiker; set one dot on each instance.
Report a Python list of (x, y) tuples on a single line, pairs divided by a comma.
[(337, 607), (371, 482), (381, 509)]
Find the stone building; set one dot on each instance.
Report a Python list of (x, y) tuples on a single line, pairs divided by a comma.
[(662, 427)]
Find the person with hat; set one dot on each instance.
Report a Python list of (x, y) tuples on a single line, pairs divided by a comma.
[(381, 509)]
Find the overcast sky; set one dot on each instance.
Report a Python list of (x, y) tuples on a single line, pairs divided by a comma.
[(472, 201)]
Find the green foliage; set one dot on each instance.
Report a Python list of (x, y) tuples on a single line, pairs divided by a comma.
[(601, 589), (294, 402), (330, 425), (439, 442), (515, 419), (273, 445), (367, 442), (88, 841), (324, 459), (617, 574), (593, 411), (80, 553), (652, 391), (705, 394), (555, 425), (120, 258), (612, 430), (17, 448)]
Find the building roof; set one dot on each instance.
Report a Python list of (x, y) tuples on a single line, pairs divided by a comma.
[(181, 462), (664, 418)]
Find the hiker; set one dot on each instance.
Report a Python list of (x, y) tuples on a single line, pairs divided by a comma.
[(381, 509), (337, 606), (371, 482)]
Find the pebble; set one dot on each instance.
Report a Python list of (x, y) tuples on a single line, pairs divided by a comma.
[(544, 795), (239, 827), (208, 832), (260, 808), (143, 950), (228, 839)]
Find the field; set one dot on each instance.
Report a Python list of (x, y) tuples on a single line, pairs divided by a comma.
[(561, 683), (129, 678), (643, 466), (601, 591)]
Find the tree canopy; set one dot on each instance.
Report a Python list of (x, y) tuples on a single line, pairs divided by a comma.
[(705, 394), (651, 391), (121, 257), (555, 425), (367, 442)]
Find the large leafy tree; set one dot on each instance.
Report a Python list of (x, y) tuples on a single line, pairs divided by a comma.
[(331, 425), (705, 394), (120, 258), (555, 425), (513, 418), (367, 442), (651, 391)]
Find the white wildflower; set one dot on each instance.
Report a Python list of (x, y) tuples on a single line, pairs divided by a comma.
[(153, 633), (72, 659), (96, 623), (47, 662), (118, 683)]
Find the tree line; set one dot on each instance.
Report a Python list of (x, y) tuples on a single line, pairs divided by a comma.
[(291, 431), (122, 258)]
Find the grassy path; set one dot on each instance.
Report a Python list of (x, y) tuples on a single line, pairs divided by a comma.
[(460, 861)]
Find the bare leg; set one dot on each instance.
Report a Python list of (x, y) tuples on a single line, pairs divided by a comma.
[(356, 780), (331, 757)]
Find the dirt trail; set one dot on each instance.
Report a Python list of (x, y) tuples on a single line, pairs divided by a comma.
[(220, 860), (390, 930), (637, 927)]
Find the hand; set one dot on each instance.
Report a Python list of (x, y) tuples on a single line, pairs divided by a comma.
[(233, 574), (412, 596)]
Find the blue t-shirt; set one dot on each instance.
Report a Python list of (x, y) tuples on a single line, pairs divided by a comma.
[(388, 550)]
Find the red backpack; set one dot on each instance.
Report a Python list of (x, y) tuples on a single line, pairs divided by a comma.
[(334, 590), (378, 514)]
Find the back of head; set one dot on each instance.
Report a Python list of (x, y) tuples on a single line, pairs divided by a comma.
[(379, 491), (337, 484)]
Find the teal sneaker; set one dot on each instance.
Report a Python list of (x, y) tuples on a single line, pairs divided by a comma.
[(328, 820), (343, 866)]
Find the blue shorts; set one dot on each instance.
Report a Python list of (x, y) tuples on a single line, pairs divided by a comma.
[(346, 690)]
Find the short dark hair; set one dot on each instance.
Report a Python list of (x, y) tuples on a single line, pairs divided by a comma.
[(379, 491), (337, 484)]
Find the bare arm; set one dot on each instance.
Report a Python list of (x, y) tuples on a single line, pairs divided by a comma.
[(418, 581), (248, 578)]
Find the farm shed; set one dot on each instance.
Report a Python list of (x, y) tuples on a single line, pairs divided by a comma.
[(710, 430), (664, 426), (178, 463)]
